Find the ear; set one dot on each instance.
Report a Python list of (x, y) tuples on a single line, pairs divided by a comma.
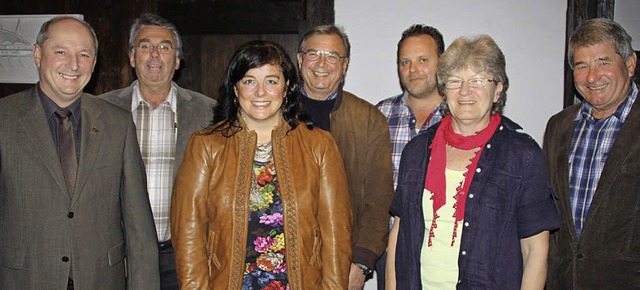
[(177, 63), (300, 58), (499, 88), (345, 65), (132, 59), (631, 63), (235, 90), (37, 54)]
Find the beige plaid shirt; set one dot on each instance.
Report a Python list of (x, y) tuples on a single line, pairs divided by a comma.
[(157, 130)]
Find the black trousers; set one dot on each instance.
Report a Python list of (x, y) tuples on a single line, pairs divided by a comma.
[(168, 277), (380, 269)]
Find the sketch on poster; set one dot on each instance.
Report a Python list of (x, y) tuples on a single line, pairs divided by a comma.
[(17, 36)]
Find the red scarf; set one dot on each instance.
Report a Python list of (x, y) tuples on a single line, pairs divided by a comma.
[(436, 182)]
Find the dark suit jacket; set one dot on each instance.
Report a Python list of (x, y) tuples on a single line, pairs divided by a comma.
[(607, 253), (104, 234), (195, 112)]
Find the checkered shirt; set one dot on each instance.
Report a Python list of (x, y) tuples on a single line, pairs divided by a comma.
[(402, 126), (591, 143), (156, 130)]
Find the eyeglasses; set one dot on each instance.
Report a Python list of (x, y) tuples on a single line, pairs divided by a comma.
[(314, 55), (147, 47), (472, 83)]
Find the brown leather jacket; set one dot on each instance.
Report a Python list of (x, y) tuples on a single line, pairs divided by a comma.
[(209, 209), (362, 134)]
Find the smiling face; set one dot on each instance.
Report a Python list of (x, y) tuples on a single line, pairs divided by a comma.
[(321, 78), (65, 61), (471, 107), (260, 94), (602, 77), (417, 64), (154, 68)]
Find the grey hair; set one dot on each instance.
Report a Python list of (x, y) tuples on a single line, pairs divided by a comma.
[(329, 29), (600, 30), (479, 53), (153, 19)]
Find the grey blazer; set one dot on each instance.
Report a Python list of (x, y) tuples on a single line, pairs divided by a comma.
[(607, 253), (104, 236), (195, 111)]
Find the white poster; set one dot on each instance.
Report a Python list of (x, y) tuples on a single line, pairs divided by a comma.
[(17, 36)]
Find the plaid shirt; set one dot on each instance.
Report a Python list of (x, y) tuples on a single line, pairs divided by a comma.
[(591, 143), (402, 126), (157, 129)]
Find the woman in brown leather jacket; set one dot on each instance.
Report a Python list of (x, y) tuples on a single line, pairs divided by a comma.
[(261, 199)]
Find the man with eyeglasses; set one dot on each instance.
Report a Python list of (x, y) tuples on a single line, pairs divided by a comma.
[(593, 153), (362, 135), (165, 116), (418, 107)]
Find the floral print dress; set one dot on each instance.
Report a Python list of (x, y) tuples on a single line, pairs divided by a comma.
[(265, 264)]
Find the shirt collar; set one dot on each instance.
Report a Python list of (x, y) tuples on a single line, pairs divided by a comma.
[(50, 106), (405, 96), (136, 97), (621, 112)]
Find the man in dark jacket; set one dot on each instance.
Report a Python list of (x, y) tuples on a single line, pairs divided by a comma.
[(593, 153), (362, 135)]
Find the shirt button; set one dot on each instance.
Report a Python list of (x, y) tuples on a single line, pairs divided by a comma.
[(470, 195), (501, 127), (464, 253), (466, 224), (70, 215), (478, 170), (459, 281), (65, 259), (488, 146)]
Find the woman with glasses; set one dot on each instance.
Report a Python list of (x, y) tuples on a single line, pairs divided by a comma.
[(473, 207), (261, 199)]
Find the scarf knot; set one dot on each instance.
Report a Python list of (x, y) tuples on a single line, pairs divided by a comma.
[(436, 181)]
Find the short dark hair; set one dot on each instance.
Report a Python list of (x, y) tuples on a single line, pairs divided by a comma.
[(329, 29), (600, 30), (251, 55), (147, 19), (421, 29), (43, 34)]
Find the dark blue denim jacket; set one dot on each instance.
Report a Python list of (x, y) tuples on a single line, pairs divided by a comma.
[(509, 199)]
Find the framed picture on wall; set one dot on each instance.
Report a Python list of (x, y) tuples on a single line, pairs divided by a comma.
[(17, 35)]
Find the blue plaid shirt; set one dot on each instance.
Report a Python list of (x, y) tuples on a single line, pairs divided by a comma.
[(402, 126), (591, 143)]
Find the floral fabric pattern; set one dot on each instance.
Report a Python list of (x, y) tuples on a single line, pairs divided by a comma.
[(265, 264)]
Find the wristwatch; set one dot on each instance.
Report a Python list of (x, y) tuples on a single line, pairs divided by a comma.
[(365, 270)]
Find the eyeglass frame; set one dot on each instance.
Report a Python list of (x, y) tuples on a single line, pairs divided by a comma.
[(326, 54), (469, 83), (152, 47)]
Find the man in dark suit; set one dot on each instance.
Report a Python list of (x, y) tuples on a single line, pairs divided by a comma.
[(74, 211), (593, 153), (165, 116)]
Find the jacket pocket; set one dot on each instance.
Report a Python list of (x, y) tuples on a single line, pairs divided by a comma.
[(212, 258), (316, 258), (116, 254), (11, 258)]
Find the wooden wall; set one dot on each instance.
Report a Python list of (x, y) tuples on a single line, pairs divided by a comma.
[(211, 31)]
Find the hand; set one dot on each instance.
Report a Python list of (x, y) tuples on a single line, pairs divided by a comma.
[(356, 278)]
